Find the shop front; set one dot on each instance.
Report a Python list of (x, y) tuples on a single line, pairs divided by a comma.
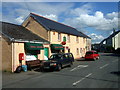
[(57, 48), (33, 50)]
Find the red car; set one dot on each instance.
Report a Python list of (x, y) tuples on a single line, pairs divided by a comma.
[(92, 55)]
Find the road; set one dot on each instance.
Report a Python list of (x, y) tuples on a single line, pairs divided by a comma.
[(102, 73)]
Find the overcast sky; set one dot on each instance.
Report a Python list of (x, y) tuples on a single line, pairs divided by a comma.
[(96, 20)]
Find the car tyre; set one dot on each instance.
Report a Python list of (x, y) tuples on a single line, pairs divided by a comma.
[(98, 58), (59, 67), (70, 64)]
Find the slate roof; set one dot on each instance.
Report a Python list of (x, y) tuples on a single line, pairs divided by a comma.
[(18, 32), (56, 26), (112, 35)]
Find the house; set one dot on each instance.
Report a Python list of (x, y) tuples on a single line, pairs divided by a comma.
[(19, 45), (62, 38), (113, 42)]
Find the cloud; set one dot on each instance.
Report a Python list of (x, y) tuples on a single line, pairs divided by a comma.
[(50, 10), (97, 21), (96, 38), (51, 16), (112, 15), (80, 17), (84, 9), (19, 19)]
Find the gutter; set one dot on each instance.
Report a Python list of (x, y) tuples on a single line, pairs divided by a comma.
[(20, 40), (11, 39)]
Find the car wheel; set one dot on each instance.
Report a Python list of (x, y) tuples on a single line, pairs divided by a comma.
[(98, 58), (70, 64), (59, 67)]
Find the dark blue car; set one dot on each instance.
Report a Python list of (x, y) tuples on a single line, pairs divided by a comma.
[(58, 61)]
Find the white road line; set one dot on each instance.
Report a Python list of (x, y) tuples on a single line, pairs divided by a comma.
[(104, 66), (73, 69), (78, 67), (81, 79)]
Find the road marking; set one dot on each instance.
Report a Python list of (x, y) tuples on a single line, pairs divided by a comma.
[(79, 66), (104, 66), (75, 83), (73, 69)]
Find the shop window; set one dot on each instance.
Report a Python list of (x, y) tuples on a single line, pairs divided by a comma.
[(59, 37)]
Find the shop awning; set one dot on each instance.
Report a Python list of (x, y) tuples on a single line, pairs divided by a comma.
[(33, 46), (57, 47)]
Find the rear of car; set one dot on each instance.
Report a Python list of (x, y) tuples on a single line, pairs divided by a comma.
[(91, 55)]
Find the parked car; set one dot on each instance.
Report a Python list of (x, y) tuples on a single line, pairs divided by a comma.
[(58, 61), (92, 55)]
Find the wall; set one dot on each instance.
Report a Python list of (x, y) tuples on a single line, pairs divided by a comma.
[(117, 41), (18, 48), (6, 55), (73, 44), (36, 28)]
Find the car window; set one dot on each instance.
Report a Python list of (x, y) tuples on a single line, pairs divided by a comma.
[(89, 52), (55, 56), (70, 55), (95, 52), (65, 56)]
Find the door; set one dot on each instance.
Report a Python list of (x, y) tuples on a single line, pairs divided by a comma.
[(65, 59), (46, 53)]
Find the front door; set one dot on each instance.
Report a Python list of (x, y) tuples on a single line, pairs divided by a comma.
[(46, 53)]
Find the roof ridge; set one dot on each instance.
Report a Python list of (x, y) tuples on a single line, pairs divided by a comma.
[(53, 20)]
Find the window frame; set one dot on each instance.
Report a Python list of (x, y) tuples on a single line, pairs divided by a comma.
[(59, 36), (77, 39), (68, 38)]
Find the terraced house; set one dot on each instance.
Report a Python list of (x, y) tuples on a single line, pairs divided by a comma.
[(62, 38)]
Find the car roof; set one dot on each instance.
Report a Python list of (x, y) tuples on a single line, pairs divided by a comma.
[(92, 51), (61, 53)]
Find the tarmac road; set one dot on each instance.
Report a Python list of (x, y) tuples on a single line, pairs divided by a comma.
[(102, 73)]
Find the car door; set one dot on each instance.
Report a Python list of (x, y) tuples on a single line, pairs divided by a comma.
[(65, 59), (71, 58)]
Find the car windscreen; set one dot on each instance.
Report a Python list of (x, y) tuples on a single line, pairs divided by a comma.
[(89, 53), (55, 57)]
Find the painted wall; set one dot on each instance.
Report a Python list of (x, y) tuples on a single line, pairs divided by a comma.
[(117, 41), (18, 48), (73, 44)]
